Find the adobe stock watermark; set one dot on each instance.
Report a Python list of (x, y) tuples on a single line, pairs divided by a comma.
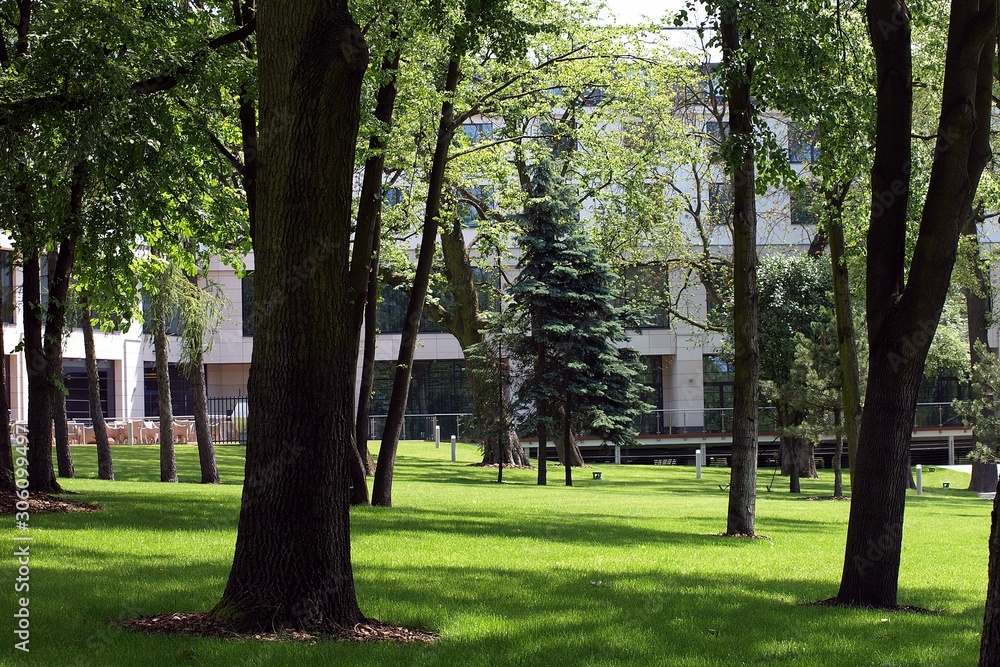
[(22, 546), (878, 549)]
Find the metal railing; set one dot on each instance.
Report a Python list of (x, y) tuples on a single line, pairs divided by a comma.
[(422, 426)]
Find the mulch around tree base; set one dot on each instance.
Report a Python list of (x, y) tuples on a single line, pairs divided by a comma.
[(834, 602), (505, 466), (824, 498), (744, 536), (42, 503), (202, 625)]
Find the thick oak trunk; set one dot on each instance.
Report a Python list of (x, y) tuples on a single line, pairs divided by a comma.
[(902, 317), (989, 648), (746, 387), (382, 489), (41, 475), (105, 467), (292, 566)]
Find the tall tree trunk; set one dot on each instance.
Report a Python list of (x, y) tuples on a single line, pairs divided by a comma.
[(989, 647), (6, 455), (161, 345), (793, 448), (364, 257), (903, 316), (743, 475), (984, 475), (203, 430), (567, 438), (361, 433), (382, 489), (847, 345), (105, 468), (64, 457), (312, 58), (41, 475), (838, 455)]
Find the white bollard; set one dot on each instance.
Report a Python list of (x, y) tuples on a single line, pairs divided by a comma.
[(437, 437), (920, 480), (454, 450), (697, 464)]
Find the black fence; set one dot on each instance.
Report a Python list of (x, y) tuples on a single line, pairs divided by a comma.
[(225, 430)]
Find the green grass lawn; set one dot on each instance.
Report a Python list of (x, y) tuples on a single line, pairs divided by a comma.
[(627, 570)]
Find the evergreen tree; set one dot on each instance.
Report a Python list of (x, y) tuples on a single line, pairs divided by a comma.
[(566, 325)]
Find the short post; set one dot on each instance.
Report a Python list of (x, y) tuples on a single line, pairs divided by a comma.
[(454, 450), (920, 480), (697, 464), (618, 454), (951, 450), (437, 436)]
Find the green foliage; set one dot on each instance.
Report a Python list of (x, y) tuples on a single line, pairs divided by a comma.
[(567, 323), (981, 411)]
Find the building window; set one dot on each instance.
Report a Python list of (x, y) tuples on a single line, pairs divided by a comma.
[(801, 144), (714, 130), (470, 200), (652, 378), (720, 202), (6, 287), (390, 314), (175, 327), (718, 379), (392, 196), (592, 97), (557, 137), (78, 389), (646, 289), (247, 311), (477, 132), (439, 387), (181, 396), (802, 204)]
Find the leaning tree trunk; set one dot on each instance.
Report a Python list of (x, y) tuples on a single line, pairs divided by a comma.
[(903, 314), (743, 475), (168, 464), (361, 432), (64, 458), (312, 58), (206, 451), (6, 455), (105, 468), (382, 489)]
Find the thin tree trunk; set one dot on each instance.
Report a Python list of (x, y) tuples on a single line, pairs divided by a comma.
[(743, 474), (542, 454), (838, 455), (567, 439), (382, 489), (847, 345), (105, 468), (168, 464), (903, 316), (793, 469), (6, 455), (292, 566), (361, 433), (203, 431), (64, 458)]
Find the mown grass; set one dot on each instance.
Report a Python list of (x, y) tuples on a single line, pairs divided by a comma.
[(627, 570)]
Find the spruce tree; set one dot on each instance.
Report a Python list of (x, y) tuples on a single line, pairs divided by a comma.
[(565, 325)]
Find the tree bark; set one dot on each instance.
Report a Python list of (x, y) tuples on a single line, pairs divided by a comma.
[(64, 458), (902, 317), (292, 566), (743, 475), (105, 467), (6, 455), (168, 464), (847, 345), (989, 647), (567, 437), (41, 475), (800, 452), (542, 454), (203, 431), (382, 489), (984, 474), (838, 455), (361, 433)]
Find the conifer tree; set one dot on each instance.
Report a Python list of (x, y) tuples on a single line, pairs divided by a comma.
[(566, 324)]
